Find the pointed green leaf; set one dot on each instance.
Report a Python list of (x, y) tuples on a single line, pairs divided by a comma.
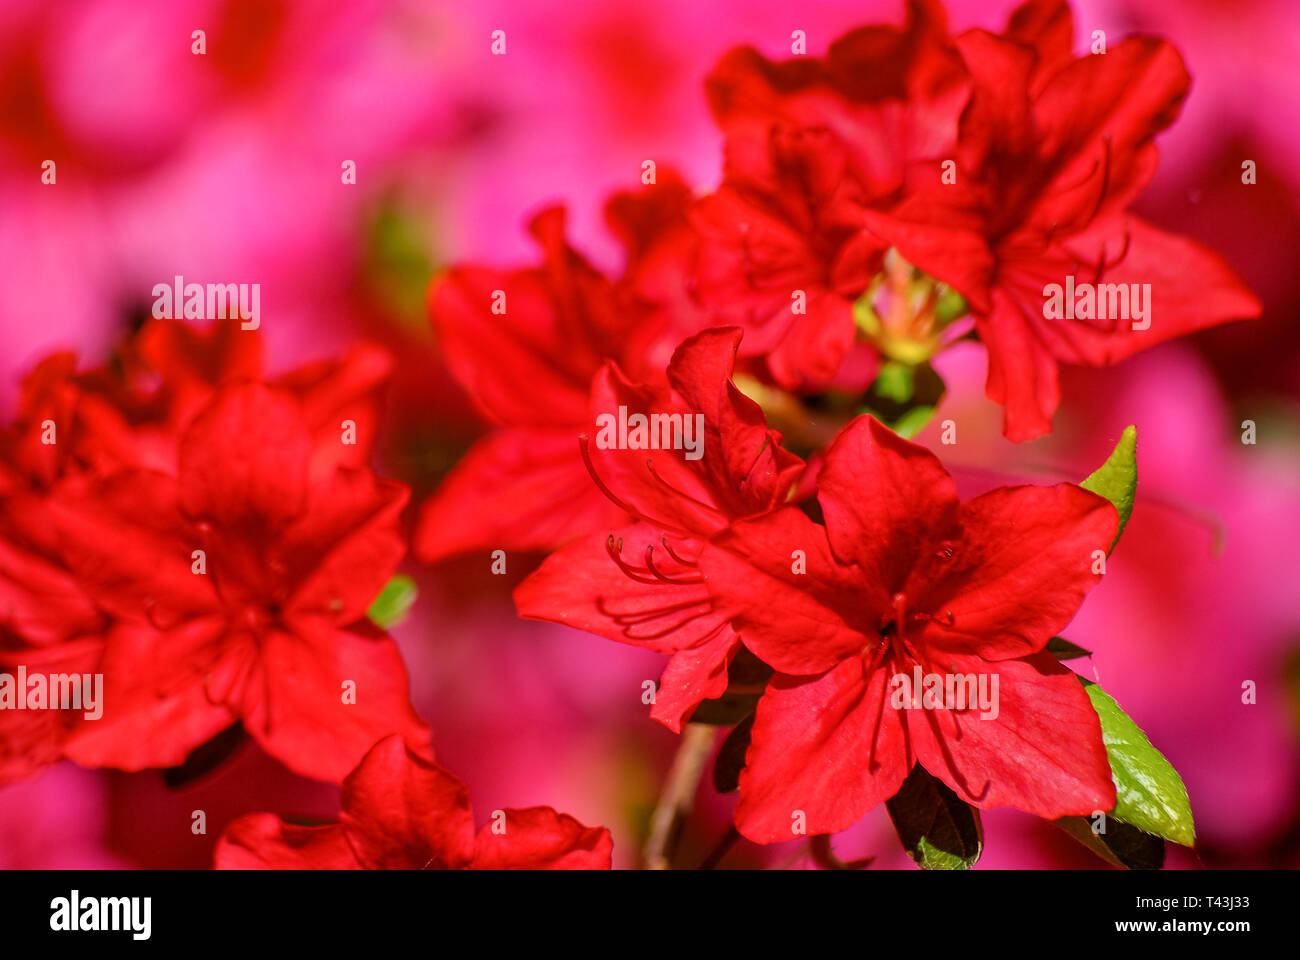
[(939, 830), (1117, 478), (394, 602), (1120, 844), (1150, 794)]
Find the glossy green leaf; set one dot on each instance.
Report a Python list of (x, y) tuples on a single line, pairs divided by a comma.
[(1150, 794), (1116, 479), (938, 829)]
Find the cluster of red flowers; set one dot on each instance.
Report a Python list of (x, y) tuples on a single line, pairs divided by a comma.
[(909, 189), (905, 190), (209, 542)]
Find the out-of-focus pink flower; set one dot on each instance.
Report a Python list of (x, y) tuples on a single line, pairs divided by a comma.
[(222, 167)]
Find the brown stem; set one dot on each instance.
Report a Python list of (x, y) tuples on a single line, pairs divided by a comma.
[(722, 849), (678, 795)]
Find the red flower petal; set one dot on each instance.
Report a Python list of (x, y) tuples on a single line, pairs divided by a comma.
[(581, 586), (262, 841), (885, 501), (1042, 753), (244, 459), (31, 740), (743, 454), (402, 812), (1021, 571), (796, 622), (538, 838), (514, 490), (156, 706), (1022, 373), (295, 709), (345, 548), (1048, 27), (1176, 306), (692, 676), (830, 747), (1096, 120)]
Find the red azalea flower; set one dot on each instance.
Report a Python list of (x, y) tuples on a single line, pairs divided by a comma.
[(32, 739), (810, 144), (529, 370), (180, 369), (1051, 152), (74, 427), (240, 588), (402, 812), (902, 576), (640, 584), (659, 276)]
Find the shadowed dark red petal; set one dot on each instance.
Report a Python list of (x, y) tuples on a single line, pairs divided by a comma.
[(538, 838), (262, 841), (401, 811)]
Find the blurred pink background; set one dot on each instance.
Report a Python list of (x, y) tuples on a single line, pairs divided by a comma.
[(227, 166)]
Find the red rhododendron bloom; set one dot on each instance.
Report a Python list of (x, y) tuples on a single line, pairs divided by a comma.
[(903, 580), (525, 345), (810, 145), (31, 739), (76, 428), (402, 812), (1052, 150), (641, 584), (240, 586)]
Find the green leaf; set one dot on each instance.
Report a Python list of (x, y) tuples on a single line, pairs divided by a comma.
[(894, 382), (397, 260), (1117, 478), (394, 602), (1063, 649), (1121, 845), (1150, 794), (938, 829), (904, 396), (913, 422)]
